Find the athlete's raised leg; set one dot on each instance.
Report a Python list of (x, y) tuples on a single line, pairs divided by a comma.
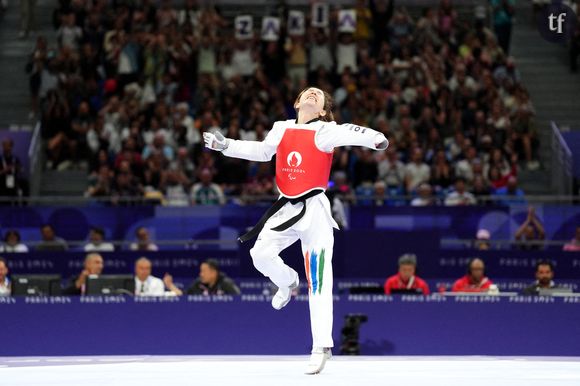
[(265, 255)]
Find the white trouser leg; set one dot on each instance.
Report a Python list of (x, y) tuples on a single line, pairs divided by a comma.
[(317, 245), (265, 254)]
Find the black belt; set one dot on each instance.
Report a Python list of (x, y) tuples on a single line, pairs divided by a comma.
[(275, 208)]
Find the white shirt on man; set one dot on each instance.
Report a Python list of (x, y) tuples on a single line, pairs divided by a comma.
[(457, 198), (421, 201), (18, 248), (101, 247), (139, 247), (152, 286)]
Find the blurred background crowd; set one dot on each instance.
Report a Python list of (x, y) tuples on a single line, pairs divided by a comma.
[(130, 87)]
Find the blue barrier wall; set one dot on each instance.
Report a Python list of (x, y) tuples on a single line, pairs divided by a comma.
[(433, 325), (226, 223), (573, 141), (366, 256)]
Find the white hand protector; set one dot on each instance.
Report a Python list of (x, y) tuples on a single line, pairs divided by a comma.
[(215, 141), (381, 142)]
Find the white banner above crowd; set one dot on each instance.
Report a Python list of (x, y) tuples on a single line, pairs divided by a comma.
[(296, 23)]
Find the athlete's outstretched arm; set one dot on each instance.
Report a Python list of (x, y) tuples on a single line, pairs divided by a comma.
[(332, 135), (249, 150)]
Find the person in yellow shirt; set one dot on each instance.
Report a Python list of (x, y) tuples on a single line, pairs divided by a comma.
[(363, 21), (297, 59)]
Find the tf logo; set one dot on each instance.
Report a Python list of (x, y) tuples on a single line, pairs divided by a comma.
[(294, 159), (557, 22)]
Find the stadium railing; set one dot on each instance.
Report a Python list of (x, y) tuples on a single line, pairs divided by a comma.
[(561, 170), (35, 154), (392, 200), (200, 243)]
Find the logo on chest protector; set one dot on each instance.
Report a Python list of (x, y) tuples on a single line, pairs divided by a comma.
[(293, 160)]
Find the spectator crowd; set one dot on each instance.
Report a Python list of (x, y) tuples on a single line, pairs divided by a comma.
[(130, 87)]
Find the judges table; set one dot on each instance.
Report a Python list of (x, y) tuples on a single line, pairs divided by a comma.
[(397, 325)]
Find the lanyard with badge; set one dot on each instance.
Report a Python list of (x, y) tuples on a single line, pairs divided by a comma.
[(410, 283)]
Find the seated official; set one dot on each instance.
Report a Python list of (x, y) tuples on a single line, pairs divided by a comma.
[(544, 278), (93, 265), (212, 282), (145, 283), (5, 288), (405, 279), (475, 280), (149, 285)]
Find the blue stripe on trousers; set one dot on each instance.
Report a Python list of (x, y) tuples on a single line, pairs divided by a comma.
[(314, 270)]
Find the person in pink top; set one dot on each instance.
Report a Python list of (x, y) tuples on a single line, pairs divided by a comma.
[(574, 244)]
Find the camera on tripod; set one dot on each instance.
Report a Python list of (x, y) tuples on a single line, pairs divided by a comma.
[(350, 334)]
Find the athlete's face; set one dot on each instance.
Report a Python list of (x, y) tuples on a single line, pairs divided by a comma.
[(312, 98)]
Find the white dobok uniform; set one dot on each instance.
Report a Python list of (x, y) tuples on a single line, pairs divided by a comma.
[(304, 157)]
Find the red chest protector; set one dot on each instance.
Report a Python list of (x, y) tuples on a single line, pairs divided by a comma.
[(300, 165)]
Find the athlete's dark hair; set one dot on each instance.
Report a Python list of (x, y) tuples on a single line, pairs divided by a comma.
[(328, 105)]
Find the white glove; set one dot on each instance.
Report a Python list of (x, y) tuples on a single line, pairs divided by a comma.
[(215, 141), (381, 142)]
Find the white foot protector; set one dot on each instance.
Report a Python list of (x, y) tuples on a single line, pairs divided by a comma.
[(283, 295), (318, 359)]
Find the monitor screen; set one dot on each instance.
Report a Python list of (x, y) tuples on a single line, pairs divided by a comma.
[(110, 285), (360, 290), (36, 285)]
